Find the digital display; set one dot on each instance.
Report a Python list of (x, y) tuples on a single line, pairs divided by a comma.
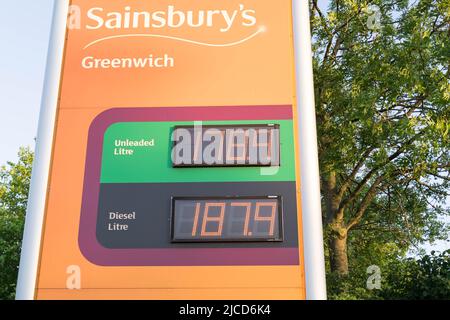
[(227, 145), (227, 219)]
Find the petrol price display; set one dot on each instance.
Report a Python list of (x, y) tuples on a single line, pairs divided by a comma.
[(227, 219), (226, 146)]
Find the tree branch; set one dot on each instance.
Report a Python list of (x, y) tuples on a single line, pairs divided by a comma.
[(346, 184), (371, 173), (371, 193)]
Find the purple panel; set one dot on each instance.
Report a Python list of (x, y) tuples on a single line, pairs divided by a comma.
[(100, 255)]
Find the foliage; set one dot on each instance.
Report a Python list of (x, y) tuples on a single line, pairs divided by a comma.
[(383, 110), (14, 186), (426, 277)]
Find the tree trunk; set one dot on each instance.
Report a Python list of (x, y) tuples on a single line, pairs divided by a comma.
[(335, 222), (338, 251)]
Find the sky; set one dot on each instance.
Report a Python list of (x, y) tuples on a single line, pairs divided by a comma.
[(24, 30), (22, 64)]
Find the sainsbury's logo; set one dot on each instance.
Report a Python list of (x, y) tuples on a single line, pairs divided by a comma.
[(172, 17)]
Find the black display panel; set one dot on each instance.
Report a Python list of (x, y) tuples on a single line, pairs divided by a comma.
[(227, 219), (226, 146), (151, 226)]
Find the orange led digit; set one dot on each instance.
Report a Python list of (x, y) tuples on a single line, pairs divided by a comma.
[(197, 213), (270, 218), (237, 151), (207, 219), (247, 205)]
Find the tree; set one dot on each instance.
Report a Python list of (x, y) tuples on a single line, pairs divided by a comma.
[(14, 186), (382, 101)]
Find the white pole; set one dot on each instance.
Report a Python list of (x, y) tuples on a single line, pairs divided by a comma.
[(311, 205), (31, 245)]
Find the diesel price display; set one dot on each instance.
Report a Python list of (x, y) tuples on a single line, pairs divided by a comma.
[(226, 219)]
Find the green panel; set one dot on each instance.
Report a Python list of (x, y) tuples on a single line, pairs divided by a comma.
[(152, 164)]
